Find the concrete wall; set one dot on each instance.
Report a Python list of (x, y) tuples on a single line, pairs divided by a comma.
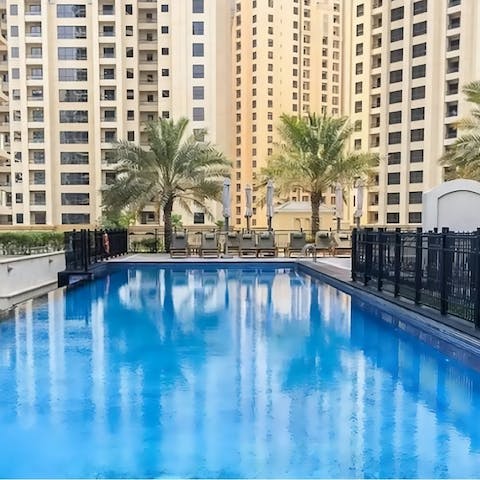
[(454, 205), (22, 278)]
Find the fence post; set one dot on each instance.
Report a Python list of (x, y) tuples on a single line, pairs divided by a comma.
[(84, 249), (418, 264), (381, 254), (156, 240), (476, 279), (368, 255), (443, 272), (397, 261), (354, 254)]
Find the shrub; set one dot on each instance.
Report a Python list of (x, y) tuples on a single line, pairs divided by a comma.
[(25, 243)]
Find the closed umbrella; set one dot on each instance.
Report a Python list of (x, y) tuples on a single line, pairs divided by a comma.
[(248, 205), (270, 192), (338, 204), (226, 201), (359, 211)]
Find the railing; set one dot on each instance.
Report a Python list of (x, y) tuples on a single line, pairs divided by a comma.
[(84, 248), (440, 270)]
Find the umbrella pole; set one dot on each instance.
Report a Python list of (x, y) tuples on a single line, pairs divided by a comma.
[(248, 224), (269, 223), (226, 235), (338, 224)]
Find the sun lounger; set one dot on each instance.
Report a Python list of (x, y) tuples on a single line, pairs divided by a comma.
[(323, 242), (233, 242), (209, 245), (247, 244), (179, 245), (266, 245), (341, 243), (297, 242)]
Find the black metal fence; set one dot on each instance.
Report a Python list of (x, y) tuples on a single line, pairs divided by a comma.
[(440, 270), (84, 248)]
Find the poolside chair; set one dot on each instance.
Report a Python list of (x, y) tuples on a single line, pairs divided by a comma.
[(247, 244), (179, 245), (209, 245), (341, 243), (233, 242), (266, 244), (297, 241), (323, 243)]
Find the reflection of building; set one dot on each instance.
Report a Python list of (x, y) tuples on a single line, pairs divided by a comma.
[(84, 75)]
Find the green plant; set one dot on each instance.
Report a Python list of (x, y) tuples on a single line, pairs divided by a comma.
[(149, 245), (25, 243), (220, 224), (173, 168), (176, 220)]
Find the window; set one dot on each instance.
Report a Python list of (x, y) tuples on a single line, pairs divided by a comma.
[(359, 68), (358, 106), (393, 218), (198, 28), (359, 49), (14, 52), (38, 178), (396, 55), (14, 9), (395, 117), (71, 32), (198, 218), (129, 52), (358, 87), (415, 197), (396, 34), (73, 95), (395, 97), (164, 8), (129, 9), (417, 135), (394, 138), (419, 28), (75, 199), (15, 73), (359, 29), (393, 199), (416, 156), (198, 71), (198, 93), (73, 116), (14, 31), (419, 71), (72, 74), (420, 7), (197, 6), (19, 217), (19, 198), (198, 114), (394, 158), (418, 92), (74, 158), (416, 176), (71, 11), (393, 178), (72, 53), (131, 136), (198, 50), (396, 14), (417, 114), (74, 178), (164, 51), (419, 50), (415, 217), (75, 218), (73, 137), (396, 76)]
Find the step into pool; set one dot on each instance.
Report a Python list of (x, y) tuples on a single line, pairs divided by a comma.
[(245, 371)]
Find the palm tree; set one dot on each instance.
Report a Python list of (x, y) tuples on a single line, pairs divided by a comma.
[(173, 168), (312, 156), (463, 157)]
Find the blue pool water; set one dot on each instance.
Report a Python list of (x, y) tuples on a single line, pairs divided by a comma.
[(236, 372)]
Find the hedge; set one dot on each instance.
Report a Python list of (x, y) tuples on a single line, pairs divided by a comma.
[(26, 243)]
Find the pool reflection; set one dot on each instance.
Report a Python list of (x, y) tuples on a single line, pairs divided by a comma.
[(231, 373)]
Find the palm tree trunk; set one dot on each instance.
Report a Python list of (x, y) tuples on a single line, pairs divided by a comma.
[(315, 199), (167, 223)]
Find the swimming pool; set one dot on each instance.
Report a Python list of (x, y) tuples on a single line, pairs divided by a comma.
[(257, 371)]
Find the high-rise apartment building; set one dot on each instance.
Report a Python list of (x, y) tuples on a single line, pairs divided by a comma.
[(405, 64), (286, 59), (83, 74)]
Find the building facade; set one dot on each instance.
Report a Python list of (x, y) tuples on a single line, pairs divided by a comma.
[(84, 74), (286, 59), (405, 64)]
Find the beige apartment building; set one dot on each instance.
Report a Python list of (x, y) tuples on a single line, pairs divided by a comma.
[(405, 64), (83, 74), (286, 59)]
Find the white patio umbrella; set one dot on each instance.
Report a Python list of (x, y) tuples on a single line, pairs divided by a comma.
[(248, 205), (270, 193), (226, 201), (359, 202), (338, 204)]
